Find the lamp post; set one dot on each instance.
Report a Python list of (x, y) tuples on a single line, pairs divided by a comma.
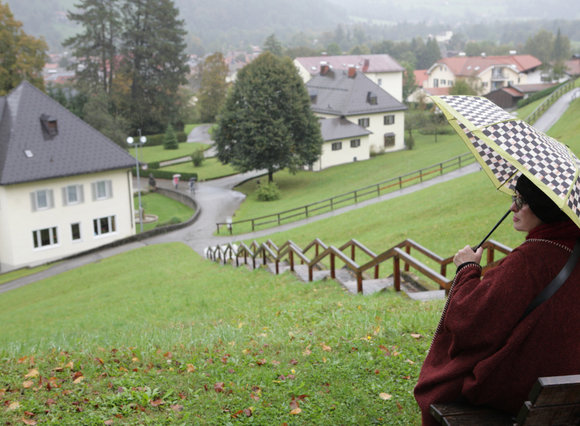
[(141, 141)]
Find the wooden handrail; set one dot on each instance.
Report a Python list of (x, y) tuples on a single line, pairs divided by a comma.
[(398, 253)]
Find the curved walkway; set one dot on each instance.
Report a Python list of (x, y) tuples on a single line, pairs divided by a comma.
[(219, 201)]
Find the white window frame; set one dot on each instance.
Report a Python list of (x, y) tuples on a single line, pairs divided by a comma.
[(66, 195), (102, 190), (389, 119), (72, 233), (46, 196), (37, 238), (111, 223), (364, 122), (336, 146)]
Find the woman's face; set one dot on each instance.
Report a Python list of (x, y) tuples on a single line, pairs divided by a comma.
[(524, 218)]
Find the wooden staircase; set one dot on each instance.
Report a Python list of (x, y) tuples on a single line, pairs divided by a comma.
[(318, 261)]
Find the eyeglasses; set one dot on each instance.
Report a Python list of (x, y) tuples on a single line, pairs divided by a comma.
[(519, 201)]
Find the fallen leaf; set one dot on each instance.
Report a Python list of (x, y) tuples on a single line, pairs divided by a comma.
[(50, 402), (108, 422), (416, 336), (70, 365), (296, 411), (385, 396), (408, 361), (219, 387), (157, 403), (190, 368), (79, 379), (32, 373), (29, 422), (306, 351), (326, 348), (248, 412), (14, 406), (27, 384)]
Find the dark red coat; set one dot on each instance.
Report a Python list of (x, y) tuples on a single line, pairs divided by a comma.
[(481, 352)]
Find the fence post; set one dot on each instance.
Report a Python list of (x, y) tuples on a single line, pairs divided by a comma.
[(408, 250), (421, 175), (359, 287), (332, 273), (332, 203), (397, 273), (400, 182), (291, 256), (440, 168), (252, 225), (352, 252), (278, 219), (378, 190), (306, 210), (355, 197), (490, 255)]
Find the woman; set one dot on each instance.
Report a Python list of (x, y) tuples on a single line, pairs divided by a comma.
[(483, 351)]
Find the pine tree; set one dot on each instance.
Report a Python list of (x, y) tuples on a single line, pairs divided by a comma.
[(155, 64), (267, 122), (22, 57), (96, 47), (170, 139)]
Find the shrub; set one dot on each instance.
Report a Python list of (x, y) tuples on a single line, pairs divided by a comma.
[(268, 192), (197, 158), (170, 139)]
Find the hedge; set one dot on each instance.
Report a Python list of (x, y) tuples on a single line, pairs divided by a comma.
[(155, 140), (165, 174)]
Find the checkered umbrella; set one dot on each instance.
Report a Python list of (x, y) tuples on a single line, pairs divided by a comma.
[(505, 147)]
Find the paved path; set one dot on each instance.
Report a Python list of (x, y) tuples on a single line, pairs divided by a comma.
[(218, 201)]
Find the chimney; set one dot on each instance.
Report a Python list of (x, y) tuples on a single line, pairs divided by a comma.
[(324, 68), (366, 64), (351, 71)]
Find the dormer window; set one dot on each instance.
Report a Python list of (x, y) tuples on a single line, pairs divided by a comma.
[(372, 98), (49, 125)]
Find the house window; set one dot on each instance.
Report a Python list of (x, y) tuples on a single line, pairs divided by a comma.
[(372, 98), (380, 81), (355, 143), (104, 225), (45, 237), (75, 230), (389, 140), (389, 119), (72, 194), (337, 146), (443, 82), (102, 190), (364, 122), (435, 82), (42, 199)]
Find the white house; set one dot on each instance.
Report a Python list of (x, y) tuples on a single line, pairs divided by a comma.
[(351, 95), (64, 187), (383, 70), (344, 142), (483, 73)]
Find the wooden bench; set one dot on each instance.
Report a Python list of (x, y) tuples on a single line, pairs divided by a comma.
[(552, 401)]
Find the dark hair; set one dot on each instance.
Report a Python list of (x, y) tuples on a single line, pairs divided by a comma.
[(542, 205)]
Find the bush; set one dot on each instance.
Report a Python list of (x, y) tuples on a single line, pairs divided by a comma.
[(170, 139), (197, 158), (268, 192)]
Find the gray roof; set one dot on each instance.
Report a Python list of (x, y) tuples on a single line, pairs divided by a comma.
[(338, 94), (29, 153), (381, 63), (340, 128)]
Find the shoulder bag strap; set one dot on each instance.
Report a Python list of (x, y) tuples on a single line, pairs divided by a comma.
[(556, 283)]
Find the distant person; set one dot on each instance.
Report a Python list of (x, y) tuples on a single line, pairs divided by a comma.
[(152, 183), (492, 344), (192, 185), (176, 181)]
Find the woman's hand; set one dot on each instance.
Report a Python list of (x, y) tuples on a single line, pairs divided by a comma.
[(466, 254)]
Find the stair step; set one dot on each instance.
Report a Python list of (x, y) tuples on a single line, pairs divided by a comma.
[(369, 286), (423, 296)]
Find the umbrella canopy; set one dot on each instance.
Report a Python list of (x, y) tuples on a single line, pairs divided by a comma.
[(506, 146)]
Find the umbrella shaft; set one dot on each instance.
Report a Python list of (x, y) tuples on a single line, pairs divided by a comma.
[(494, 228)]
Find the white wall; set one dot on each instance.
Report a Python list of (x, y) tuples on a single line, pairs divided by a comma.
[(345, 155), (18, 220), (391, 82)]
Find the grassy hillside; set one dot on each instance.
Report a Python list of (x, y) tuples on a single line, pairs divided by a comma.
[(158, 336)]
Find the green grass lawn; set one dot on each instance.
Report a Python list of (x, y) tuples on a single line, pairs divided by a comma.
[(159, 336), (210, 169), (166, 209), (149, 154)]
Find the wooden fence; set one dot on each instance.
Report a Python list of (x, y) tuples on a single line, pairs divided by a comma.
[(316, 252), (549, 101), (348, 198)]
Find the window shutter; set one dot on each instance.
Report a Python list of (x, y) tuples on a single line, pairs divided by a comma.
[(94, 190), (80, 194), (64, 196), (33, 201), (110, 189), (50, 198)]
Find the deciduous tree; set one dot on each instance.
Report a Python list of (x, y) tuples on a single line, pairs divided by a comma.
[(213, 89), (267, 122), (22, 57)]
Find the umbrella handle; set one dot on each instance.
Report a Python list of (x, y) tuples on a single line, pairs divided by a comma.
[(494, 228)]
